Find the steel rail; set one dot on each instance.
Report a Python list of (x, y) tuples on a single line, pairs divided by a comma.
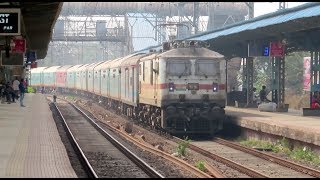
[(280, 161), (84, 161), (250, 172), (138, 161), (155, 151)]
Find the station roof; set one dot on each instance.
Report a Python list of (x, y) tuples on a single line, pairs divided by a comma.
[(37, 22), (295, 24), (278, 17)]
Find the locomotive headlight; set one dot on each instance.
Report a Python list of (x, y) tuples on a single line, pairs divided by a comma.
[(171, 87), (215, 87)]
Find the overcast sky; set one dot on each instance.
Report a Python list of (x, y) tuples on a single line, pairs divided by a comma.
[(261, 8)]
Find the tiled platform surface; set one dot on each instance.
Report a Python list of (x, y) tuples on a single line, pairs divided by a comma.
[(30, 145), (291, 124)]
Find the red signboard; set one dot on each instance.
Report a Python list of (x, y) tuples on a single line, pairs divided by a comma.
[(34, 65), (19, 46), (276, 49)]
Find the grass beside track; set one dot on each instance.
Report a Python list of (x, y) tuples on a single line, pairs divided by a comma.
[(282, 146)]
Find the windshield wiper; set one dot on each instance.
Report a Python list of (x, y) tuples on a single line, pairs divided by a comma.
[(185, 68), (203, 74)]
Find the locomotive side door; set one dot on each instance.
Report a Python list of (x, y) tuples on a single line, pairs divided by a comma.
[(132, 84), (154, 72)]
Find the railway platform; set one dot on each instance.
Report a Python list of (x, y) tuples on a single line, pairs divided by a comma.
[(290, 125), (30, 145)]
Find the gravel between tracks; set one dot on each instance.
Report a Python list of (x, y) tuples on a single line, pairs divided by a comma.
[(104, 157), (110, 117), (171, 170), (163, 166), (74, 160)]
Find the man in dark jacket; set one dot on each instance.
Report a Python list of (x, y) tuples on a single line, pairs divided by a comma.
[(22, 91), (263, 95)]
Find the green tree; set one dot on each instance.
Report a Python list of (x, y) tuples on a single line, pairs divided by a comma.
[(294, 72)]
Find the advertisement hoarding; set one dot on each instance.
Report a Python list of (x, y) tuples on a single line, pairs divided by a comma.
[(306, 73)]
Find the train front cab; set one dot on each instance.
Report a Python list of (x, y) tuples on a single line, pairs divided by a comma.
[(188, 87)]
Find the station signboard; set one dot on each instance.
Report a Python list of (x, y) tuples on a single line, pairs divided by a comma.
[(15, 59), (276, 49), (19, 46), (10, 22), (31, 56), (258, 49)]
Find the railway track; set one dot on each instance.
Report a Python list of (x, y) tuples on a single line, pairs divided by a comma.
[(271, 158), (101, 154), (142, 145), (249, 161)]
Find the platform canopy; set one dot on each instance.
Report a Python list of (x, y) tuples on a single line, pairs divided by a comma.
[(37, 22)]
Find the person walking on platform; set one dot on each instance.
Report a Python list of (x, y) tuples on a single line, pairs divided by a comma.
[(15, 86), (22, 90)]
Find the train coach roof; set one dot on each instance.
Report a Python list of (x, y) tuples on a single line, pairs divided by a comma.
[(83, 67), (133, 60), (64, 68), (51, 69), (100, 66), (149, 56), (116, 63), (108, 64), (74, 68), (38, 70), (93, 65), (89, 65), (191, 52)]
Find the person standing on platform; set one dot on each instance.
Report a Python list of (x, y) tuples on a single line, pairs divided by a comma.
[(22, 91), (15, 86), (2, 92), (54, 95), (12, 95), (315, 103), (255, 95)]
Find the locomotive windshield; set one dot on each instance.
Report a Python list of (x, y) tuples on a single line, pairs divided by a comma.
[(179, 67), (207, 67)]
